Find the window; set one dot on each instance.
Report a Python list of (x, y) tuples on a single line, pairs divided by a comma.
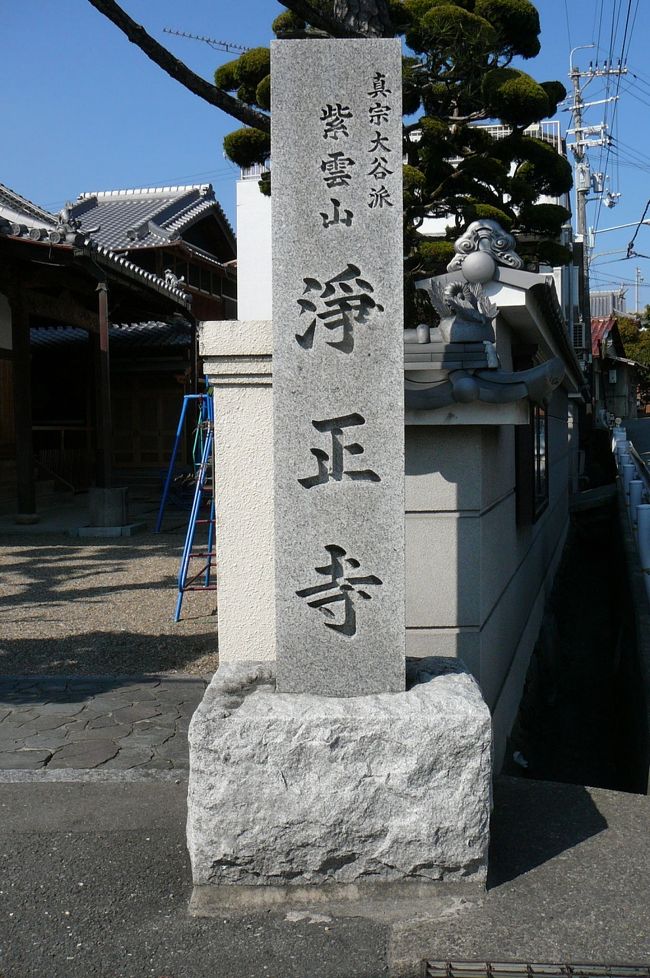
[(531, 465), (194, 276), (540, 460)]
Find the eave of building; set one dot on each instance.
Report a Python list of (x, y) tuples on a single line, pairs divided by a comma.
[(627, 362), (20, 210), (185, 248), (151, 334), (199, 213), (103, 256), (528, 302)]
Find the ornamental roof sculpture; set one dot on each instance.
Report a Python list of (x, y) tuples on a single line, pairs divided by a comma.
[(486, 237), (463, 344)]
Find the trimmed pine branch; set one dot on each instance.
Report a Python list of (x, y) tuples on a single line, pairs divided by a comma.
[(179, 71)]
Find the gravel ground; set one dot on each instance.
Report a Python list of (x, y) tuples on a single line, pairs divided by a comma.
[(101, 607)]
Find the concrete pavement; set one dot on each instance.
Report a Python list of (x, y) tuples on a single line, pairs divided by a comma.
[(95, 881)]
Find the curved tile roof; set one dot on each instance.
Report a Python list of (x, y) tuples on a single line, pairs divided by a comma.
[(19, 210), (147, 216), (154, 333)]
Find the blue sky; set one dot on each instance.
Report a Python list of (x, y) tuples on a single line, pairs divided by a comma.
[(82, 109)]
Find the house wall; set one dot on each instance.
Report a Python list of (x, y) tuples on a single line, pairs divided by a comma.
[(622, 394), (620, 397), (253, 251), (476, 583)]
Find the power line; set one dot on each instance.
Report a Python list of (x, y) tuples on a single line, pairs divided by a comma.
[(616, 95), (630, 247), (629, 155), (600, 22), (568, 29)]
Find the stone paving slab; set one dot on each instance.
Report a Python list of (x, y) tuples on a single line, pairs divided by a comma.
[(115, 723)]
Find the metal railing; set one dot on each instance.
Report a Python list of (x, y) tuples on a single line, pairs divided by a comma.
[(255, 171), (635, 485)]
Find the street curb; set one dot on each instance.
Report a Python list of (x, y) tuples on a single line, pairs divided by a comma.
[(80, 775)]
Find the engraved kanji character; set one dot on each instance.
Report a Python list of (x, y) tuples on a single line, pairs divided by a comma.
[(379, 197), (380, 142), (331, 466), (379, 168), (341, 586), (337, 218), (336, 169), (334, 117), (339, 308), (378, 113), (379, 86)]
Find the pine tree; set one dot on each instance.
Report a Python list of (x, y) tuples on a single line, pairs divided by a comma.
[(458, 72)]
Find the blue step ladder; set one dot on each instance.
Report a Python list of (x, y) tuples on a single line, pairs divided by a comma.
[(204, 578), (205, 414)]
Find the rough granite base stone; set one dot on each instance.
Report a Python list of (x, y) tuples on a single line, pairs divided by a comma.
[(299, 790)]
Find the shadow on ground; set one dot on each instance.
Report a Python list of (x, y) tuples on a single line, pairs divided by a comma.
[(530, 828), (45, 690), (101, 607), (106, 653), (59, 573)]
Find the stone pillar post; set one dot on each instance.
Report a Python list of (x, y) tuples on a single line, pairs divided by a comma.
[(237, 364), (338, 366)]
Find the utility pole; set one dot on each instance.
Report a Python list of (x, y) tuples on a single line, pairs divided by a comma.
[(580, 144), (583, 177), (582, 181), (638, 278)]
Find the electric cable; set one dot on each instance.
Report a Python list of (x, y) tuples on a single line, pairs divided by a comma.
[(630, 248)]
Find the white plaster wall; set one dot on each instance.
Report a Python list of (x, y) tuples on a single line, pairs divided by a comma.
[(438, 476), (476, 583), (507, 627), (237, 362), (244, 523), (497, 463), (443, 585), (5, 324), (253, 252)]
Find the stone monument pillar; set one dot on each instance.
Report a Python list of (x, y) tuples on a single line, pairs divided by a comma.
[(338, 403), (337, 768)]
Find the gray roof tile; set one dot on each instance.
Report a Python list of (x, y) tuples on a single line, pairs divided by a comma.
[(19, 210), (141, 218), (152, 333)]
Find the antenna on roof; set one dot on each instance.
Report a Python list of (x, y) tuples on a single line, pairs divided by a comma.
[(227, 46)]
